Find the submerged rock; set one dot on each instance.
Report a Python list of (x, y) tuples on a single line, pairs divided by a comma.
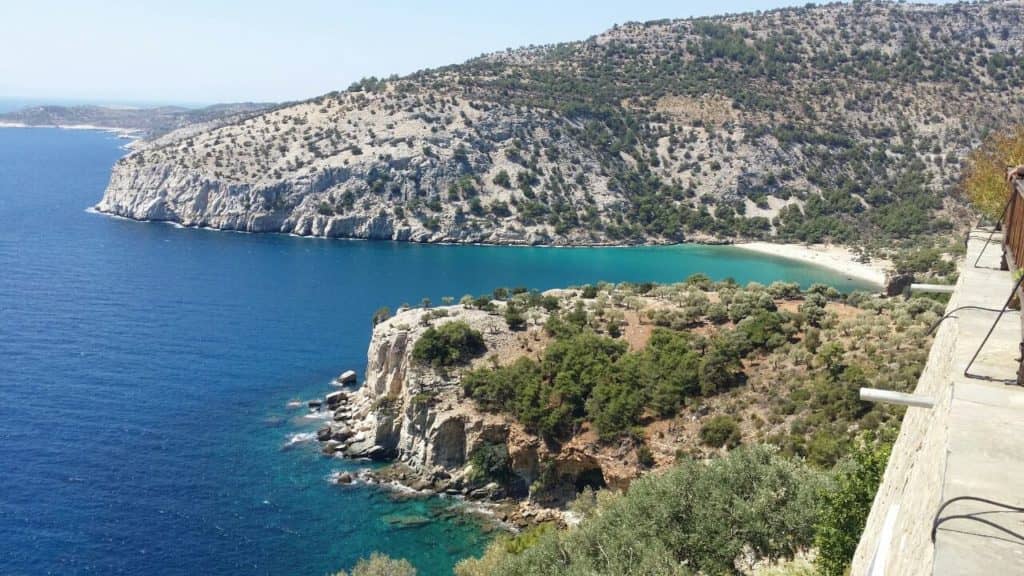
[(406, 521)]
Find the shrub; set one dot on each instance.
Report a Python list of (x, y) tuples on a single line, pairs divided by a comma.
[(984, 176), (720, 367), (498, 552), (380, 565), (514, 317), (721, 430), (381, 314), (501, 389), (847, 506), (502, 179), (589, 291), (692, 518), (700, 280), (451, 344), (644, 456), (718, 313), (491, 463)]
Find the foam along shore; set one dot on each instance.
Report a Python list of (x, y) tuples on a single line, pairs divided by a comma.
[(838, 258)]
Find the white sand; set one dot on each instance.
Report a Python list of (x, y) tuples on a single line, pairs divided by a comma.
[(838, 258), (123, 132)]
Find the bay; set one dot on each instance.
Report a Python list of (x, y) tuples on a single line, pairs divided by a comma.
[(144, 372)]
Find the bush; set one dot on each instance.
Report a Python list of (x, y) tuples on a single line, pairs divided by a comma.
[(501, 548), (380, 565), (721, 430), (502, 179), (382, 314), (514, 317), (502, 389), (491, 463), (718, 313), (692, 518), (644, 456), (984, 176), (452, 344), (846, 508)]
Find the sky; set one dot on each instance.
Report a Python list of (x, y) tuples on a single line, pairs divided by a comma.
[(206, 51)]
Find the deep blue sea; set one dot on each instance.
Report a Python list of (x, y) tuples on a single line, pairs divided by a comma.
[(144, 372)]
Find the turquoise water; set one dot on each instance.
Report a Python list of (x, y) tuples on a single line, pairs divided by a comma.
[(144, 372)]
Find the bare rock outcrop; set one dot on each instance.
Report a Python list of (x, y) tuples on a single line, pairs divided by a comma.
[(419, 418)]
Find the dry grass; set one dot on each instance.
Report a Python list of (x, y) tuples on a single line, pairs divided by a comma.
[(984, 179)]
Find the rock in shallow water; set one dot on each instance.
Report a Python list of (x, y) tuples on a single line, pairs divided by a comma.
[(346, 377), (406, 521)]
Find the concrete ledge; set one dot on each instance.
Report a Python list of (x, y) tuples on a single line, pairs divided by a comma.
[(968, 444)]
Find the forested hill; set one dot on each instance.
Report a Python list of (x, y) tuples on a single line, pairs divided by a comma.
[(845, 122)]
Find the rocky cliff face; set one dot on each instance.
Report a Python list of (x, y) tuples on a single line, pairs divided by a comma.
[(419, 418), (842, 122), (392, 175)]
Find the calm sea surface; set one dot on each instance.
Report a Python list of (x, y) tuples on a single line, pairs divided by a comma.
[(144, 372)]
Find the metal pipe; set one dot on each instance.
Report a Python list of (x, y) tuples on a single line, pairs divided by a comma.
[(892, 397), (933, 288)]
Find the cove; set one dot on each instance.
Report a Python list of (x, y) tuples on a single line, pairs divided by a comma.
[(145, 369)]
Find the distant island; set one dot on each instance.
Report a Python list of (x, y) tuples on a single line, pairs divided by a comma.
[(843, 123), (146, 123)]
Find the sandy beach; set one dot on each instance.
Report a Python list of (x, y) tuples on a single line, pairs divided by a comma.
[(123, 132), (838, 258)]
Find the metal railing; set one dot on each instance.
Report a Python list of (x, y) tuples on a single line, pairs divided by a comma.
[(1013, 222)]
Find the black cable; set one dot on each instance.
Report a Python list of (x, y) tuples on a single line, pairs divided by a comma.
[(938, 520), (1006, 305), (954, 311)]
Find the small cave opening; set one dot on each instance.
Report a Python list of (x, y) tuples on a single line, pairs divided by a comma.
[(591, 478)]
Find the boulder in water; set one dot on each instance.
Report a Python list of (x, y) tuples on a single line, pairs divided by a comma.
[(345, 378), (335, 398)]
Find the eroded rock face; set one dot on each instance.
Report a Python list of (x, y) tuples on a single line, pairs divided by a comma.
[(409, 411), (420, 418), (376, 189)]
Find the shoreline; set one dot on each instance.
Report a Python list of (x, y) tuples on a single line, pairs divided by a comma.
[(129, 133), (832, 256)]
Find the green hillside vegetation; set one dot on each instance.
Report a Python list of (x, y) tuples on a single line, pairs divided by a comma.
[(772, 364), (695, 517), (754, 387), (845, 122)]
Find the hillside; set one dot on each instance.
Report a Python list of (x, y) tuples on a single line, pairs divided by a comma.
[(148, 122), (533, 397), (845, 123)]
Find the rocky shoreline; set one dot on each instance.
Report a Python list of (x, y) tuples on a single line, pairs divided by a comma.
[(417, 420), (337, 438)]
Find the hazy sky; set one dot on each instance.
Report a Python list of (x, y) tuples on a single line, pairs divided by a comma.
[(222, 50)]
